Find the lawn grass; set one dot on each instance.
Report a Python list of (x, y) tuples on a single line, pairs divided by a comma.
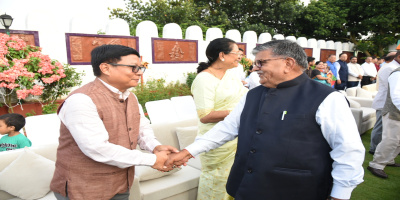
[(375, 188)]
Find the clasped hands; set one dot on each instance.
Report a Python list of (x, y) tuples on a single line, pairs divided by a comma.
[(168, 157)]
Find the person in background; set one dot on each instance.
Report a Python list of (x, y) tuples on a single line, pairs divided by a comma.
[(388, 58), (297, 138), (380, 99), (334, 68), (343, 72), (101, 125), (380, 61), (254, 80), (239, 70), (216, 91), (10, 125), (319, 74), (389, 148), (310, 67), (355, 73), (369, 72), (375, 62)]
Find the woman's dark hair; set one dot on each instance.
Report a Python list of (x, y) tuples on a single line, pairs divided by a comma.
[(14, 119), (109, 54), (213, 49), (318, 62)]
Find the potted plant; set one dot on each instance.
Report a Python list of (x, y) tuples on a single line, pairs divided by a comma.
[(26, 73)]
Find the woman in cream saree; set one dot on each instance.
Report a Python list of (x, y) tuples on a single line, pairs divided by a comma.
[(216, 92)]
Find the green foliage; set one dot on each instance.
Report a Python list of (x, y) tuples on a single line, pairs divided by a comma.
[(372, 25), (50, 108), (101, 32), (190, 78), (182, 12), (322, 19), (32, 113), (157, 89), (260, 16)]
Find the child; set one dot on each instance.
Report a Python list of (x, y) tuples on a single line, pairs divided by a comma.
[(10, 125)]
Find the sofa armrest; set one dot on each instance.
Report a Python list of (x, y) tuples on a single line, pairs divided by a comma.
[(357, 114), (364, 102), (134, 192)]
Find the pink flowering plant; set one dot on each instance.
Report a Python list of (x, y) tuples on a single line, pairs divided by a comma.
[(26, 72)]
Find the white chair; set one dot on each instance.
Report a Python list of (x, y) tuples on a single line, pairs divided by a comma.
[(43, 129), (185, 107), (161, 111)]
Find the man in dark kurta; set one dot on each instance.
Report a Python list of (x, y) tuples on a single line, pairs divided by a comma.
[(297, 139)]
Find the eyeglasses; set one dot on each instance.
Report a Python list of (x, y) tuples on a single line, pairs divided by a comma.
[(135, 68), (261, 62), (237, 53)]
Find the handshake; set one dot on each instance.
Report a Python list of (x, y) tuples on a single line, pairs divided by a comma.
[(169, 157)]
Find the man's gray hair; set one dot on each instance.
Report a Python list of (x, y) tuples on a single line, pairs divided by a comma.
[(284, 48)]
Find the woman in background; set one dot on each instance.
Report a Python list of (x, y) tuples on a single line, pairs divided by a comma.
[(319, 74), (216, 92)]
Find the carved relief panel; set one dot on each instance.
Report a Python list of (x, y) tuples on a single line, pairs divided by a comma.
[(79, 46), (174, 50), (30, 37)]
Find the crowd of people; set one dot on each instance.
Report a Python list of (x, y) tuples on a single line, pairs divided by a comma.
[(341, 74), (290, 135)]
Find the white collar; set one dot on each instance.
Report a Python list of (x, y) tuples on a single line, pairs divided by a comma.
[(122, 95)]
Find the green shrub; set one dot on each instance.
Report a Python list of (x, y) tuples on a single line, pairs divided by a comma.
[(190, 78), (157, 89)]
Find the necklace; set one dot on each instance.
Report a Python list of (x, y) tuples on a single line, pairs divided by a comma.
[(212, 72)]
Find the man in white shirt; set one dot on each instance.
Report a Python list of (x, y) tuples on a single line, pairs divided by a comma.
[(101, 124), (388, 149), (289, 130), (380, 99), (369, 72), (355, 73), (239, 70), (253, 80)]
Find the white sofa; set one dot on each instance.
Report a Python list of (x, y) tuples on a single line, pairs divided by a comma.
[(361, 106), (363, 113), (180, 185)]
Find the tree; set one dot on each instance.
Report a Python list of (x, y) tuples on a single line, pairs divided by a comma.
[(371, 25), (259, 15), (184, 13)]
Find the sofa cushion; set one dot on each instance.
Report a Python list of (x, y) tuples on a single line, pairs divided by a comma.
[(28, 176), (368, 113), (363, 93), (351, 91), (166, 132), (186, 135), (354, 104), (167, 186), (49, 196), (145, 173)]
